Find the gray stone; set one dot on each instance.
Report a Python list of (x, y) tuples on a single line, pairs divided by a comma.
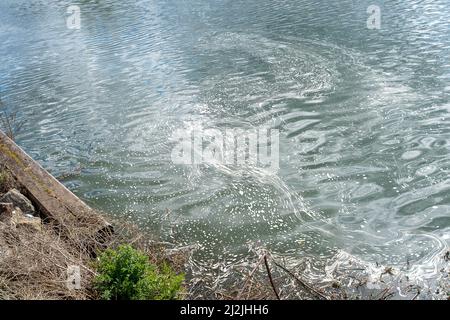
[(18, 200)]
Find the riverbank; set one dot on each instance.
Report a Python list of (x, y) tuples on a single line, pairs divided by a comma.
[(37, 261), (52, 244)]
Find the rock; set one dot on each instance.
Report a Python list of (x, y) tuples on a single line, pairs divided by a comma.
[(14, 217), (18, 200), (34, 223)]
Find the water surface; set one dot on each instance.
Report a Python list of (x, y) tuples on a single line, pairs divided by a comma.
[(363, 115)]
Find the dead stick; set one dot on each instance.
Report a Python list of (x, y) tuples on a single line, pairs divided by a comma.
[(304, 284), (248, 278), (270, 277)]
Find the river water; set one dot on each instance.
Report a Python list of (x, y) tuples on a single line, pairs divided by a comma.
[(363, 117)]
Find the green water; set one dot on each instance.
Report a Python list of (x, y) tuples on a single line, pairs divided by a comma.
[(363, 116)]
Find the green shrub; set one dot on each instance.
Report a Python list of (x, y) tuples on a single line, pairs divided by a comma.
[(127, 274)]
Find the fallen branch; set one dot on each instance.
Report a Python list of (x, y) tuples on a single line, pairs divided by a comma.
[(303, 283), (249, 277), (270, 277)]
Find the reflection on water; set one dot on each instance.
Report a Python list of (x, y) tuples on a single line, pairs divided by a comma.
[(363, 117)]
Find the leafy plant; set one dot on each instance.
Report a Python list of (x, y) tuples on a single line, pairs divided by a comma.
[(126, 274)]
